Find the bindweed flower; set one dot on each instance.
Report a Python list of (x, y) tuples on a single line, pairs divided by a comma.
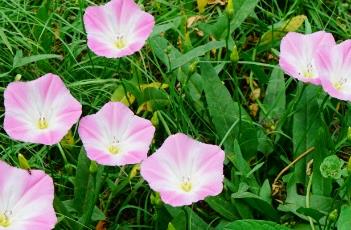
[(118, 28), (115, 136), (40, 111), (26, 199), (184, 170), (335, 68), (298, 51)]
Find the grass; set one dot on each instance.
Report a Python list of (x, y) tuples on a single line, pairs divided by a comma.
[(260, 133)]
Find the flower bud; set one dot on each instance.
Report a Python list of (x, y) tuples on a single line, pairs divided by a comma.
[(93, 167), (23, 162), (230, 9)]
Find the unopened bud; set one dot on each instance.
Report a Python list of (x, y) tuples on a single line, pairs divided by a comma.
[(93, 167), (234, 56), (23, 162), (134, 171), (333, 215), (230, 8)]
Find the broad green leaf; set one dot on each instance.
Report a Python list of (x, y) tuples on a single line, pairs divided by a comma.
[(242, 9), (223, 207), (196, 52), (315, 214), (257, 203), (81, 181), (254, 224), (306, 123), (227, 116), (274, 100), (344, 221)]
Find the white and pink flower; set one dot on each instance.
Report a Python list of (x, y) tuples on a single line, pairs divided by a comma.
[(184, 170), (26, 199), (118, 28), (40, 111), (115, 136), (298, 52), (334, 65)]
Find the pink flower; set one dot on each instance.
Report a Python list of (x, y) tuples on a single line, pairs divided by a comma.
[(335, 68), (40, 111), (26, 199), (118, 28), (297, 54), (115, 136), (184, 170)]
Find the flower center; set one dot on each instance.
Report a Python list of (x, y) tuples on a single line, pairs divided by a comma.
[(308, 73), (120, 42), (113, 149), (339, 84), (42, 123), (186, 185), (4, 220)]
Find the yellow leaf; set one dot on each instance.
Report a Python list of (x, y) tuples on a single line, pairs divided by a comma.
[(201, 4), (282, 28), (157, 85), (67, 140), (120, 95)]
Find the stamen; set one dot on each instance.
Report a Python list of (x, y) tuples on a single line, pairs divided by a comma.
[(186, 185), (42, 123), (339, 84), (308, 73), (120, 42), (4, 220)]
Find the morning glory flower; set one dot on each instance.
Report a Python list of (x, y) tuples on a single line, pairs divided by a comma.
[(118, 28), (40, 111), (26, 199), (334, 64), (298, 51), (115, 136), (184, 170)]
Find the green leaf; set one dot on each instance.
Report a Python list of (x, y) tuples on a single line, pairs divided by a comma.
[(254, 224), (344, 221), (306, 123), (242, 9), (227, 115), (315, 214), (274, 100), (223, 207), (4, 40), (196, 52), (22, 61), (81, 181), (257, 203)]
